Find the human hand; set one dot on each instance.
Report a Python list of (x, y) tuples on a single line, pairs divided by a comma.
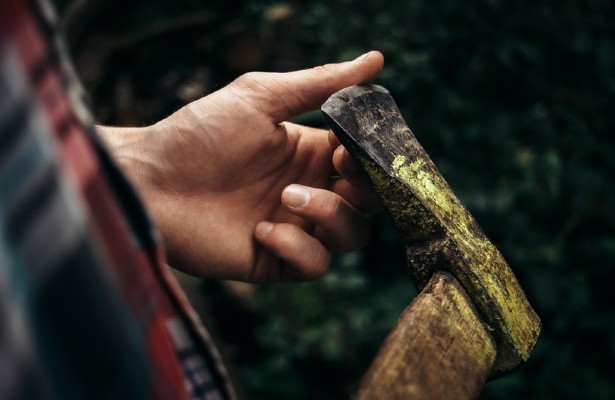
[(240, 194)]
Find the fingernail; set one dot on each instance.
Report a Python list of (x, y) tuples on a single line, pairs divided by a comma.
[(363, 56), (296, 196), (263, 228)]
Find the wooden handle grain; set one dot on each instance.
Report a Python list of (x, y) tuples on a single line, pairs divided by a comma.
[(439, 349)]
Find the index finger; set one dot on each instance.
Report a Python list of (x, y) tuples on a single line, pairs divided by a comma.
[(282, 96)]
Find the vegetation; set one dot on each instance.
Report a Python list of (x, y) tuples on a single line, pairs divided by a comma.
[(512, 100)]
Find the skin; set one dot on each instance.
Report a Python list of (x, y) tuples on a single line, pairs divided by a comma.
[(237, 192)]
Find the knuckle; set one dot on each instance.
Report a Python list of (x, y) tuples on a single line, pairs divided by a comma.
[(331, 207), (248, 79), (290, 237), (325, 72), (324, 69), (321, 69)]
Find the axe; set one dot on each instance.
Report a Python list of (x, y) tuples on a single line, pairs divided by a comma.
[(471, 319)]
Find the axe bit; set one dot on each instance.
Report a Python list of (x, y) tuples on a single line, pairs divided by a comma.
[(439, 233)]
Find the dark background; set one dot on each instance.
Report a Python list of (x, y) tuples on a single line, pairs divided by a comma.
[(512, 100)]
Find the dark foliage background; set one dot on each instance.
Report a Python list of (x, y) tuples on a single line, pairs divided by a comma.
[(512, 99)]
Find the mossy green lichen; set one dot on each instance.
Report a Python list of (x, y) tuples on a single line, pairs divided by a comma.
[(473, 259)]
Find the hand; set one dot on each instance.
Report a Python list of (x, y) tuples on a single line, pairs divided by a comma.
[(240, 194)]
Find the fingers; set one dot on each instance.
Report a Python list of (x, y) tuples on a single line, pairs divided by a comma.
[(304, 256), (354, 186), (339, 225), (281, 96)]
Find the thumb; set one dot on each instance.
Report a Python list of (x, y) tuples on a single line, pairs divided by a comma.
[(284, 95)]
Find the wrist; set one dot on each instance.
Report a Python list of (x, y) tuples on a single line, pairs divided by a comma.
[(130, 148)]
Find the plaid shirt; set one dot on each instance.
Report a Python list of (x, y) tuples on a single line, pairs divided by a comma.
[(88, 308)]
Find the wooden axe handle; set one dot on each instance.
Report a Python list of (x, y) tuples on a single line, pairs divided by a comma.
[(439, 349)]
